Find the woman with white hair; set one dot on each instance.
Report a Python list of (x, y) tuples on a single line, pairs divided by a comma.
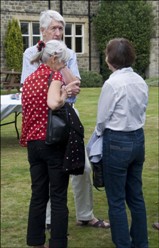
[(52, 26), (46, 161)]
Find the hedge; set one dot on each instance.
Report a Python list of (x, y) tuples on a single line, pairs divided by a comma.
[(129, 19)]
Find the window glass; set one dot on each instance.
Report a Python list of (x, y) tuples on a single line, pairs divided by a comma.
[(35, 28), (24, 28), (78, 44), (68, 42), (25, 42), (30, 32), (73, 37), (35, 40), (78, 29), (68, 29)]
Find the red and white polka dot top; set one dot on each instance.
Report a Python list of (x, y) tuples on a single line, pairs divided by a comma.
[(34, 104)]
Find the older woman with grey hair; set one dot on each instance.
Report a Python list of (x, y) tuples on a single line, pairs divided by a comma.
[(46, 161), (52, 26)]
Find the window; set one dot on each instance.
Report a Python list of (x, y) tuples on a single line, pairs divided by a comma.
[(30, 32), (74, 37)]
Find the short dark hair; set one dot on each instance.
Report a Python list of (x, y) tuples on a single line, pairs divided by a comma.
[(120, 53)]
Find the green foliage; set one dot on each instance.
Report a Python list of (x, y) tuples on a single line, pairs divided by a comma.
[(153, 81), (133, 20), (13, 45), (90, 79)]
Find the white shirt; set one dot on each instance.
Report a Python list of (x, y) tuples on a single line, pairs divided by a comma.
[(122, 102)]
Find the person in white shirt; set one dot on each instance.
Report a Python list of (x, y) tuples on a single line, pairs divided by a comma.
[(120, 120), (51, 27)]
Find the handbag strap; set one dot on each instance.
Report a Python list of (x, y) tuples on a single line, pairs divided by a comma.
[(50, 78), (93, 175)]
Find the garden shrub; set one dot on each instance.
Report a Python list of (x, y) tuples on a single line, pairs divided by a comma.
[(90, 79), (13, 46), (129, 19)]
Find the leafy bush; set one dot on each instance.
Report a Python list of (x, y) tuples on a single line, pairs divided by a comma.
[(153, 81), (90, 79), (13, 46), (129, 19)]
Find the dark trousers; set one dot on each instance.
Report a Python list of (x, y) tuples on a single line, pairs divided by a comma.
[(46, 171), (123, 158)]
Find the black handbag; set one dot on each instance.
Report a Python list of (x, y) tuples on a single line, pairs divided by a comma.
[(97, 174), (57, 125)]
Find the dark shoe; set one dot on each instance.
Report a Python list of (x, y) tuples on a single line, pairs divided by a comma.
[(156, 225)]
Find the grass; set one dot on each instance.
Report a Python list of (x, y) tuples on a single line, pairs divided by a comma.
[(15, 181)]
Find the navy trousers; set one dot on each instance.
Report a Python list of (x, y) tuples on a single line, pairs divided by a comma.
[(123, 158)]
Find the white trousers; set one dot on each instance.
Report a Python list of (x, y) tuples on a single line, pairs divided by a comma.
[(83, 195)]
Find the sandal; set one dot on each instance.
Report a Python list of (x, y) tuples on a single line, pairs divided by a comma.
[(98, 224)]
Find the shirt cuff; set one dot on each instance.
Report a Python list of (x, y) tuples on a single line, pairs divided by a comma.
[(98, 133)]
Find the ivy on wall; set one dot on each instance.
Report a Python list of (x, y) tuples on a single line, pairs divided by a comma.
[(129, 19), (13, 46)]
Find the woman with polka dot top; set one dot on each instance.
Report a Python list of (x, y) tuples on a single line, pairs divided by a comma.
[(45, 161)]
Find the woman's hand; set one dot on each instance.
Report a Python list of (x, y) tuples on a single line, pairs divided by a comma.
[(73, 88)]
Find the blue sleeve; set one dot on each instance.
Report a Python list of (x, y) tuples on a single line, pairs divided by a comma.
[(72, 65)]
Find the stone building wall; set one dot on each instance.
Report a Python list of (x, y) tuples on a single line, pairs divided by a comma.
[(153, 70), (72, 9), (24, 9)]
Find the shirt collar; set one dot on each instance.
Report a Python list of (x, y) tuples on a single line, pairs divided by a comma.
[(120, 71)]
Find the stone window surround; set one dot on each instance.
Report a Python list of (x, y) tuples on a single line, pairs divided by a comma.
[(82, 20), (72, 36)]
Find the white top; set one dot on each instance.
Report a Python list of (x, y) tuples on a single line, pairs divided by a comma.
[(122, 102)]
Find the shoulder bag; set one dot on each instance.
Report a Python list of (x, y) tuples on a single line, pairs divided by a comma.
[(57, 125)]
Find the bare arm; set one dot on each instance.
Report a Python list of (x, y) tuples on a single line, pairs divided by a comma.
[(68, 75), (57, 95)]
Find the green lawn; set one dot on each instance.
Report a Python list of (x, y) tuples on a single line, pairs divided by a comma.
[(15, 181)]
